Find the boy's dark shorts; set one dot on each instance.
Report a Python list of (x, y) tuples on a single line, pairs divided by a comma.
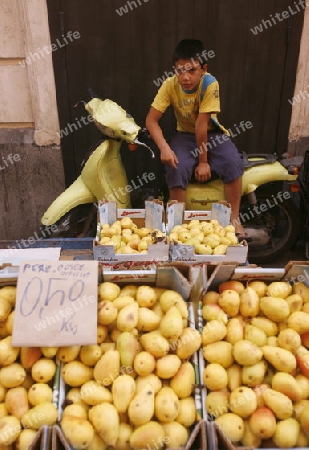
[(224, 159)]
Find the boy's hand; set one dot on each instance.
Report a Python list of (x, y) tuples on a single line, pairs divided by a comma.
[(202, 172), (168, 157)]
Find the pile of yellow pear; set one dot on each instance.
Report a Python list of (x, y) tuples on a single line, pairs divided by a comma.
[(207, 237), (255, 343), (134, 389), (127, 238), (26, 382)]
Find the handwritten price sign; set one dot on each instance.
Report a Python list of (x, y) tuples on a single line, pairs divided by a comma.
[(56, 304)]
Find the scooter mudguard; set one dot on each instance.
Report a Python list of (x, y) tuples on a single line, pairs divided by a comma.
[(258, 175), (200, 196), (105, 175), (76, 194)]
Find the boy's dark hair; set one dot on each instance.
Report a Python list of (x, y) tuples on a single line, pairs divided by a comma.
[(188, 49)]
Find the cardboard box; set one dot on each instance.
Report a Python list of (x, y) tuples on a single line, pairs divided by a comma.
[(189, 282), (177, 215), (295, 271), (197, 441), (42, 440), (151, 217), (11, 258)]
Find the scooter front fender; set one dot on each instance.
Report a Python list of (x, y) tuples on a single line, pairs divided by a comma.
[(102, 178), (76, 194)]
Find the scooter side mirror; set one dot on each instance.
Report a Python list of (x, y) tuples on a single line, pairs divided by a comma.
[(141, 137), (137, 141), (91, 94)]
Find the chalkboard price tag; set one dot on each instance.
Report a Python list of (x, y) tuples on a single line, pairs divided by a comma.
[(56, 304)]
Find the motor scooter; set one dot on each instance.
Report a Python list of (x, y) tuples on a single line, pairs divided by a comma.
[(268, 212)]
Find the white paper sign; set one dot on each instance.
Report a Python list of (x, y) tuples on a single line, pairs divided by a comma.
[(56, 304)]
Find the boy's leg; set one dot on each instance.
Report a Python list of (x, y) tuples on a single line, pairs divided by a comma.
[(184, 146), (178, 194), (226, 162), (232, 192)]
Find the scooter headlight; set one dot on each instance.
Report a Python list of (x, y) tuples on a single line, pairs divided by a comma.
[(112, 120)]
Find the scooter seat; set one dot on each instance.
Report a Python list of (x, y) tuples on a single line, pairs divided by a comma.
[(257, 159)]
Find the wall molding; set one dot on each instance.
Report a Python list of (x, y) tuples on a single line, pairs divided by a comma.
[(35, 28)]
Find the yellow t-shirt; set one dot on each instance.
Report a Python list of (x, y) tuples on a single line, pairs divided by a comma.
[(187, 104)]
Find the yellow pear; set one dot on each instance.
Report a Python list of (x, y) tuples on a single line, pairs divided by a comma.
[(188, 343), (286, 383), (123, 440), (146, 296), (289, 339), (281, 359), (262, 423), (279, 403), (78, 431), (301, 289), (267, 325), (183, 382), (234, 330), (275, 308), (123, 389), (187, 413), (243, 401), (234, 375), (249, 302), (171, 324), (232, 426), (150, 435), (254, 375), (255, 335), (127, 317), (229, 301), (215, 377), (287, 433), (246, 353), (107, 368), (154, 343), (141, 407), (217, 403), (148, 320), (127, 346), (175, 434), (279, 289), (260, 287), (249, 439), (166, 405), (105, 420)]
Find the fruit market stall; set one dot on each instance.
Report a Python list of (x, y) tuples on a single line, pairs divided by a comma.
[(181, 356)]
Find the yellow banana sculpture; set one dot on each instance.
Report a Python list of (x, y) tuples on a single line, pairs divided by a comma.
[(103, 172)]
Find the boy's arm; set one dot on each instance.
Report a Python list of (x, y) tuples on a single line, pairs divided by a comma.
[(202, 171), (152, 124)]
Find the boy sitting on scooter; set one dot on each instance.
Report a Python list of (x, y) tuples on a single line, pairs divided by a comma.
[(201, 144)]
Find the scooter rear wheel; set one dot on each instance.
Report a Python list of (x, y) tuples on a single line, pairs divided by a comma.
[(282, 221)]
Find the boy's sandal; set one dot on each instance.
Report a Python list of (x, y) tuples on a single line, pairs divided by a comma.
[(243, 237)]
